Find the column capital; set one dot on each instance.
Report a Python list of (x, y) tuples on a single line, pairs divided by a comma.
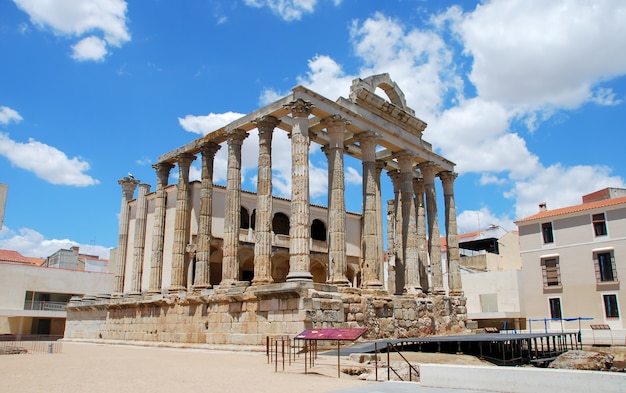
[(447, 180), (299, 108), (428, 170), (368, 141), (405, 161), (335, 123), (163, 171), (236, 136), (418, 185), (394, 175), (208, 149), (185, 159), (266, 123), (129, 184)]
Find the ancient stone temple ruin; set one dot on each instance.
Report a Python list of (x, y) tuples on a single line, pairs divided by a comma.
[(202, 263)]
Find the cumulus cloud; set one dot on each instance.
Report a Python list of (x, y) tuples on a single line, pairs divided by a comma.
[(288, 10), (524, 63), (205, 124), (76, 18), (31, 243), (47, 162), (536, 54), (8, 115), (90, 48)]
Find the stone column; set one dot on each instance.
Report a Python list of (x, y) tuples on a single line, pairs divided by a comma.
[(434, 243), (156, 270), (370, 270), (409, 225), (422, 252), (181, 224), (263, 224), (337, 256), (140, 237), (380, 165), (232, 217), (398, 240), (300, 226), (202, 277), (128, 189), (391, 241), (452, 240)]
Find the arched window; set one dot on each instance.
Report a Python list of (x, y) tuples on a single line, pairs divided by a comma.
[(318, 230), (245, 218), (280, 224), (253, 219)]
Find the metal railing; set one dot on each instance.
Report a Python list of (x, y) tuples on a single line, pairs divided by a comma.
[(44, 305), (14, 344)]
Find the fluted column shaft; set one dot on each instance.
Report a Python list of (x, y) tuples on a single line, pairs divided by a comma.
[(337, 256), (452, 240), (391, 246), (202, 277), (379, 225), (263, 223), (232, 218), (370, 270), (181, 224), (140, 238), (422, 252), (398, 240), (409, 225), (300, 227), (156, 270), (434, 243), (128, 189)]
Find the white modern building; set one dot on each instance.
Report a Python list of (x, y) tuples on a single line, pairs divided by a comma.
[(33, 297), (574, 259)]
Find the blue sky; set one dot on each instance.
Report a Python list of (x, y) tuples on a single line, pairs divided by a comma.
[(526, 97)]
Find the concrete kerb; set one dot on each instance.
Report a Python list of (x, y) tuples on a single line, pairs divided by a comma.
[(519, 379)]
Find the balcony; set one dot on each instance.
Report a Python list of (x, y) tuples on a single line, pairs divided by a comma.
[(33, 305)]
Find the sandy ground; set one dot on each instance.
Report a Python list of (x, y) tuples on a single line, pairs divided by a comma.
[(97, 368)]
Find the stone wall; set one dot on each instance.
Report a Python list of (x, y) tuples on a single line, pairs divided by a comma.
[(246, 315)]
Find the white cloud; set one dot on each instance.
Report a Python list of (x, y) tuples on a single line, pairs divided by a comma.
[(561, 186), (75, 18), (31, 243), (205, 124), (288, 10), (353, 176), (47, 162), (536, 54), (89, 48), (474, 220), (8, 115), (605, 97)]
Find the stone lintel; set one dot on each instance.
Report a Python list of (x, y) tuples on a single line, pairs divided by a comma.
[(287, 290)]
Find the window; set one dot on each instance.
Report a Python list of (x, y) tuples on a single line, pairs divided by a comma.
[(318, 230), (599, 224), (610, 306), (555, 308), (245, 218), (551, 273), (605, 266), (548, 235), (280, 224)]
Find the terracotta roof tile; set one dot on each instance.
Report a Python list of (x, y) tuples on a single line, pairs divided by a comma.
[(575, 209), (16, 257)]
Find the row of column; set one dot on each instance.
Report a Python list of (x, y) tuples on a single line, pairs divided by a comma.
[(412, 247), (299, 247)]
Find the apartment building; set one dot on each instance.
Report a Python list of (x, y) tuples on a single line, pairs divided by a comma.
[(573, 260)]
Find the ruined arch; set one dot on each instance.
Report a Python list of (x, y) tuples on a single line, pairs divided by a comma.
[(391, 89)]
